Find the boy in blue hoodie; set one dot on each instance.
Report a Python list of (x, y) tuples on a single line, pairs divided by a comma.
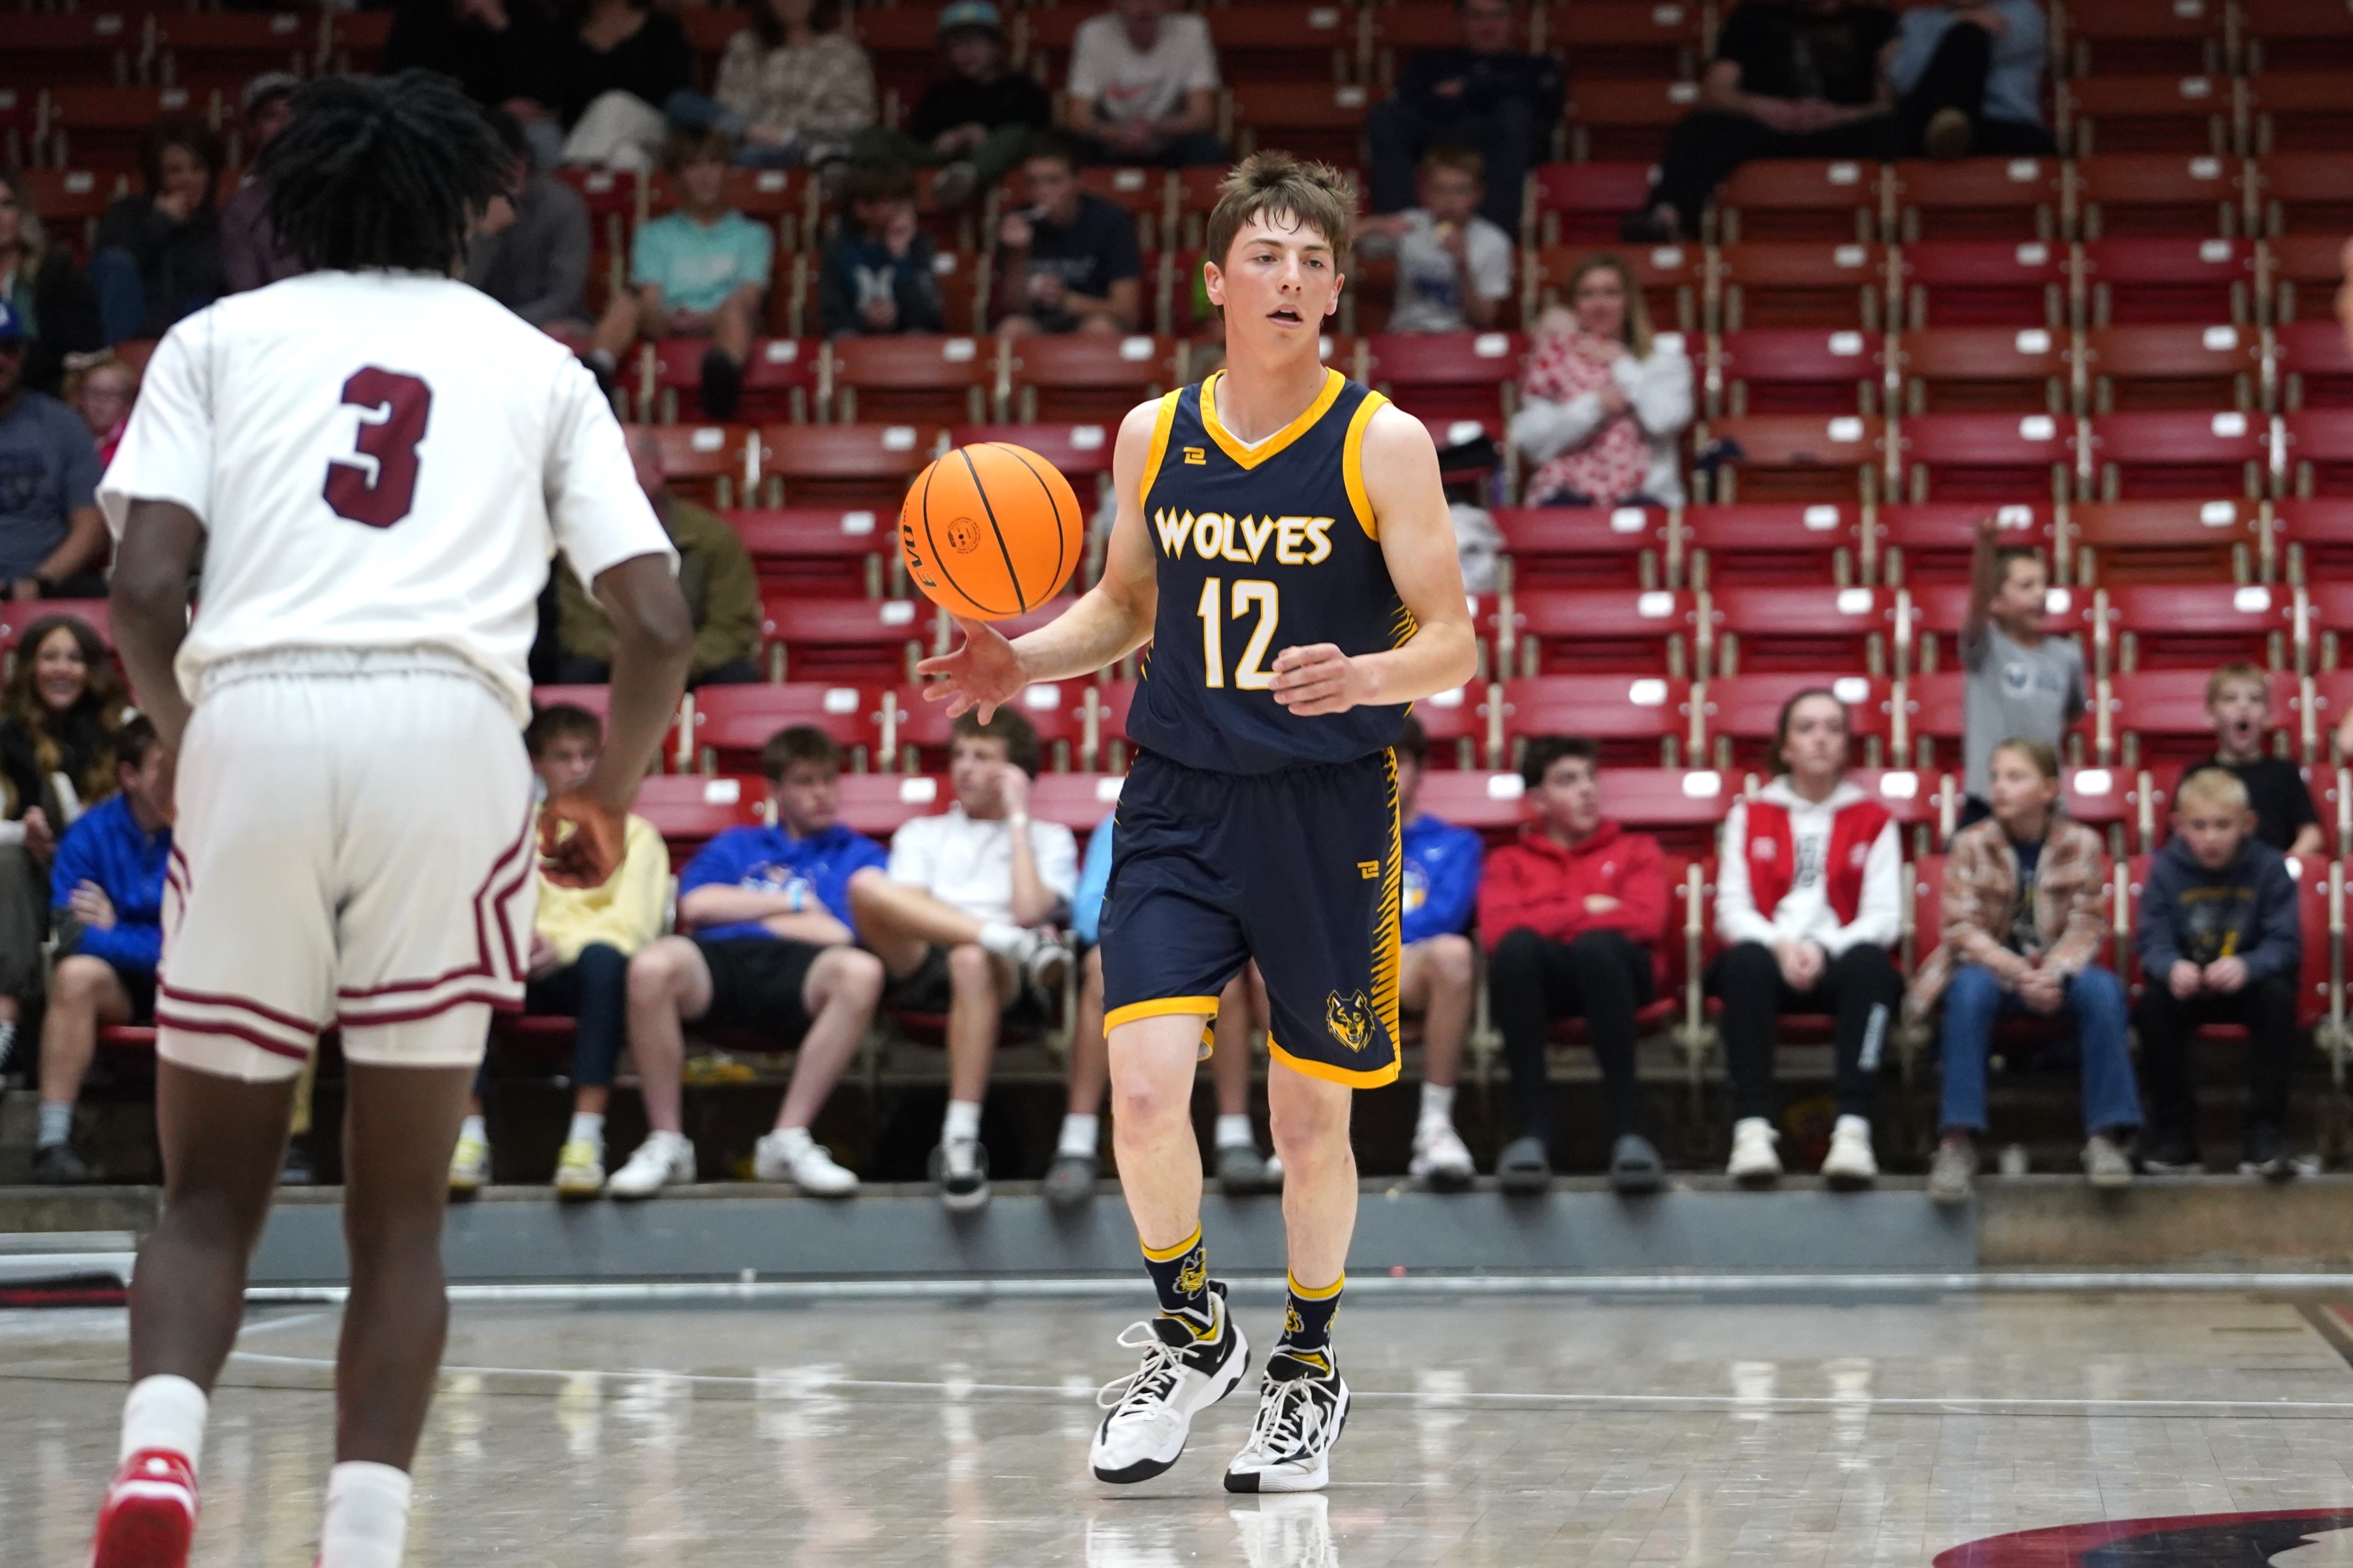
[(106, 887), (2219, 943)]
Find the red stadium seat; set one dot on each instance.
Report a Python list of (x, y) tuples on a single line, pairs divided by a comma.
[(1445, 375), (2305, 193), (1935, 613), (103, 127), (69, 202), (1626, 120), (2027, 458), (1637, 721), (2166, 541), (919, 732), (1681, 807), (1978, 199), (1763, 630), (1796, 370), (2170, 113), (1810, 544), (356, 40), (689, 811), (1931, 542), (1079, 802), (2298, 34), (223, 48), (844, 465), (2330, 698), (780, 379), (1082, 452), (730, 724), (1325, 122), (818, 551), (2108, 799), (2166, 278), (1584, 547), (879, 805), (95, 48), (910, 380), (2183, 626), (2317, 452), (1632, 39), (2307, 111), (2311, 541), (1799, 198), (2325, 623), (786, 199), (2168, 453), (2203, 367), (2312, 366), (2161, 715), (1455, 722), (1485, 800), (1742, 713), (2113, 36), (1801, 283), (17, 614), (844, 641), (1595, 631), (1672, 278), (1302, 44), (707, 463), (1983, 283), (1983, 370), (1798, 456), (2119, 196), (1088, 375), (1583, 204)]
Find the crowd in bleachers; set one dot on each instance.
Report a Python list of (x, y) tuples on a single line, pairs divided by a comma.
[(1733, 321)]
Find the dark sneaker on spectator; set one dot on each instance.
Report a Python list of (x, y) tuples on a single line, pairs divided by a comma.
[(1850, 1167), (57, 1165), (1188, 1366), (1755, 1162), (296, 1171), (1303, 1408), (960, 1169), (2172, 1155), (954, 185), (2106, 1164), (1070, 1182), (1953, 1173), (2265, 1154), (1047, 959), (1635, 1167), (723, 384), (1524, 1169), (1440, 1159), (1243, 1171)]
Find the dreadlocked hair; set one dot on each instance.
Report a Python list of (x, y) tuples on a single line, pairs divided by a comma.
[(381, 172)]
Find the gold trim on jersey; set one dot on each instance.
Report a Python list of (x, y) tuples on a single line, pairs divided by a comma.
[(1252, 457), (1154, 455), (1352, 464), (1330, 1073), (1203, 1006), (1389, 924)]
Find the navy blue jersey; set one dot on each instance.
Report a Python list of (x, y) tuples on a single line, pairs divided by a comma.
[(1260, 549)]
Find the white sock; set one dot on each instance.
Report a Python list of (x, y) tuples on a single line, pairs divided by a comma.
[(1859, 1125), (473, 1128), (1080, 1134), (367, 1516), (165, 1412), (587, 1126), (1003, 940), (56, 1122), (1234, 1133), (794, 1138), (1438, 1102), (962, 1123)]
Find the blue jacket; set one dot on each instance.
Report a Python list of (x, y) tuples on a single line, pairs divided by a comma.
[(2245, 911), (1094, 880), (770, 859), (107, 846), (1441, 878)]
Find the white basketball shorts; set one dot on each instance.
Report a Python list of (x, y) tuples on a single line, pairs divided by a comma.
[(354, 848)]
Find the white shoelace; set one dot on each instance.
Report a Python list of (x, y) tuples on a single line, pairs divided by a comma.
[(1153, 1381), (1292, 1416)]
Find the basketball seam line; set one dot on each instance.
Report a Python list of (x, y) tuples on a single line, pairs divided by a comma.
[(1012, 572), (1022, 456), (939, 557)]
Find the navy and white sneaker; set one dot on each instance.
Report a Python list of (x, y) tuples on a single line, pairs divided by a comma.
[(1188, 1366), (1303, 1407)]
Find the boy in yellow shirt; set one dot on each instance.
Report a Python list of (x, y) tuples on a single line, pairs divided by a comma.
[(580, 952)]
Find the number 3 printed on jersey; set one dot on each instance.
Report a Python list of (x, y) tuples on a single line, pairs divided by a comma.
[(392, 407)]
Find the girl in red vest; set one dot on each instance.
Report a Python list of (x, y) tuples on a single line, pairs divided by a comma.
[(1808, 906)]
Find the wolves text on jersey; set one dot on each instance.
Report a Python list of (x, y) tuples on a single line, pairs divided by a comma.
[(1220, 536)]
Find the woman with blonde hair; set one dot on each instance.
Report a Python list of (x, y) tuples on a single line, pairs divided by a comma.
[(1602, 400), (45, 290)]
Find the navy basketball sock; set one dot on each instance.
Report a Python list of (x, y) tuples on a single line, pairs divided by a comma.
[(1181, 1275), (1307, 1322)]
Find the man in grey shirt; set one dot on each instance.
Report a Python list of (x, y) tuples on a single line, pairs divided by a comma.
[(50, 529), (536, 261), (2021, 684), (1453, 266)]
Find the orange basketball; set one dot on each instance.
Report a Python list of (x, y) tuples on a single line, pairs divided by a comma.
[(990, 531)]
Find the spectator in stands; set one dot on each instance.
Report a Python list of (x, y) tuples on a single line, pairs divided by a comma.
[(1067, 262), (714, 573), (765, 945), (530, 250), (1241, 1168), (107, 897), (1143, 86), (702, 271), (50, 529), (2017, 682), (964, 920), (502, 52), (1453, 266), (108, 388), (1791, 79), (1435, 965), (2220, 942), (1573, 914), (877, 276), (581, 944), (2238, 697), (975, 123), (1970, 77), (794, 88), (616, 65), (1809, 907), (2026, 917), (47, 293), (1485, 95), (159, 253), (251, 257), (1603, 401)]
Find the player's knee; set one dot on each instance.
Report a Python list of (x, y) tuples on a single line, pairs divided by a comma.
[(1141, 1099), (1308, 1129)]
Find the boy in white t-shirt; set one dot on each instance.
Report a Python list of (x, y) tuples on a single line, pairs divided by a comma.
[(962, 921), (1453, 266), (1143, 86)]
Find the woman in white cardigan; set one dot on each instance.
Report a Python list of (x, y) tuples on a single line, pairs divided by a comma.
[(1602, 402)]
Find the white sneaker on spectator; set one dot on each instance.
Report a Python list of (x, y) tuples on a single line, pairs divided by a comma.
[(469, 1165), (1439, 1157), (1851, 1166), (1045, 958), (664, 1158), (790, 1154), (2106, 1164), (580, 1169), (1755, 1162), (960, 1169)]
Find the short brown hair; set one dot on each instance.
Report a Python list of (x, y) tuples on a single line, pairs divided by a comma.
[(683, 146), (798, 743), (1008, 726), (1448, 155), (1544, 750), (2038, 752), (2009, 554), (561, 721), (2237, 669), (134, 740), (1317, 195)]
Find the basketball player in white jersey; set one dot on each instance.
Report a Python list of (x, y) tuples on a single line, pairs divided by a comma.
[(376, 463)]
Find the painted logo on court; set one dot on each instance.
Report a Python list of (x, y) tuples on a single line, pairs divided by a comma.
[(2292, 1538)]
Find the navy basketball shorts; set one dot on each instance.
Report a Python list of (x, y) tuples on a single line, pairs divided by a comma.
[(1299, 869)]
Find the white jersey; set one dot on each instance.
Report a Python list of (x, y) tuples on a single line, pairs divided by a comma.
[(380, 460)]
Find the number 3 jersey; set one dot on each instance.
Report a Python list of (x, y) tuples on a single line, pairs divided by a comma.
[(379, 460), (1260, 549)]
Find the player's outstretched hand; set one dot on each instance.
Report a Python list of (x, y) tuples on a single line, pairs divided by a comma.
[(1317, 679), (579, 841), (983, 673)]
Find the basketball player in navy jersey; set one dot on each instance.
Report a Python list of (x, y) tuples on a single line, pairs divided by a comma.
[(1284, 543)]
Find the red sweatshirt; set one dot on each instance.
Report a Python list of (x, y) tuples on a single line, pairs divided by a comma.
[(1541, 884)]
